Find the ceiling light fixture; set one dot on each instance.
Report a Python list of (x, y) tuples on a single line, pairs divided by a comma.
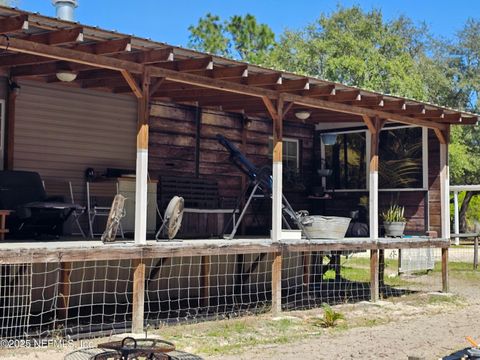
[(66, 75), (302, 114)]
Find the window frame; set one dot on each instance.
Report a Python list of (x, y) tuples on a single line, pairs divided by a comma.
[(284, 140), (368, 147)]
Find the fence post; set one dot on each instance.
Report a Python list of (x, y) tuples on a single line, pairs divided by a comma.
[(138, 296), (445, 285), (374, 290), (277, 283), (205, 281)]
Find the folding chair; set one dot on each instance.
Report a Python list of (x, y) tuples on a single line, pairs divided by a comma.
[(99, 199)]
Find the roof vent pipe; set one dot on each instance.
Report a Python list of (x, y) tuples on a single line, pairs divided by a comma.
[(65, 9)]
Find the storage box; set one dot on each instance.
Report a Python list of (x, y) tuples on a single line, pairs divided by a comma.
[(327, 227)]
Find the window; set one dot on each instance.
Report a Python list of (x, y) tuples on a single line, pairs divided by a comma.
[(347, 160), (290, 153), (401, 157)]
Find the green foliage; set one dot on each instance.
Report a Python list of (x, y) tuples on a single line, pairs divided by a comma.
[(395, 213), (355, 48), (239, 37), (330, 317)]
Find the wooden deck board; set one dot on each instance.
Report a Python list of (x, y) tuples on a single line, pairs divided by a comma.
[(81, 250)]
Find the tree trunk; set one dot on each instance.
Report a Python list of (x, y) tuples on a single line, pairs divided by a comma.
[(464, 208)]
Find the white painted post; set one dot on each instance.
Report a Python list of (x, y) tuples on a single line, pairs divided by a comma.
[(141, 191), (141, 180), (445, 191), (277, 198), (456, 217)]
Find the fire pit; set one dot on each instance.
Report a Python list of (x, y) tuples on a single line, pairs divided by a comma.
[(130, 348)]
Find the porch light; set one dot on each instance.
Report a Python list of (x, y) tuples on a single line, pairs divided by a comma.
[(302, 114), (329, 138), (66, 76)]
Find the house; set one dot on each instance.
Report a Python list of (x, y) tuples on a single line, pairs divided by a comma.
[(77, 97)]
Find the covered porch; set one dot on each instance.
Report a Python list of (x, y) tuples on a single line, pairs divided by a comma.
[(178, 101)]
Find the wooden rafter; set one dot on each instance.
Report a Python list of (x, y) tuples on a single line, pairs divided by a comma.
[(319, 91), (345, 96), (240, 71), (57, 37), (205, 63), (293, 85), (101, 48), (263, 79), (148, 57), (75, 56), (13, 24)]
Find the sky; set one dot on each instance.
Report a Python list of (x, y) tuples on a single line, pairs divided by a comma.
[(168, 21)]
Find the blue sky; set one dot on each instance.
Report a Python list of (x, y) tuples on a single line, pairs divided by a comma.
[(167, 21)]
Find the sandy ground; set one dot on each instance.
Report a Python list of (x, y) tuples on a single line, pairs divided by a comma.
[(416, 330), (425, 337)]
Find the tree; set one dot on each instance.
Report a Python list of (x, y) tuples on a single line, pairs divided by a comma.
[(356, 48), (240, 37), (465, 144)]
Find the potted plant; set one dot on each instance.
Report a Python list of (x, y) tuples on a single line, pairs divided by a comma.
[(394, 220)]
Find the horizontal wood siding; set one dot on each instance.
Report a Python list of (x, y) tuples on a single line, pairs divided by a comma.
[(173, 141), (60, 132)]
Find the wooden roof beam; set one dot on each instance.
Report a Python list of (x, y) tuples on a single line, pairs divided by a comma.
[(240, 71), (355, 110), (57, 37), (231, 87), (106, 47), (13, 24), (394, 105), (263, 79), (430, 114), (65, 54), (320, 91), (148, 57), (101, 48), (345, 96), (204, 63), (370, 101), (293, 85)]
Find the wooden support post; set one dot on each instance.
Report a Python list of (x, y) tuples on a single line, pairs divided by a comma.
[(475, 253), (456, 221), (9, 131), (205, 281), (374, 125), (138, 296), (141, 189), (444, 137), (277, 283), (276, 113), (307, 260), (65, 271), (374, 288), (445, 285), (381, 269)]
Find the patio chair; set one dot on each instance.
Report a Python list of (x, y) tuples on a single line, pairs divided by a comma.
[(100, 195), (34, 213), (64, 189)]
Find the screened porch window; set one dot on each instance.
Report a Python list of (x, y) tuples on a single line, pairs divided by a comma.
[(401, 158), (347, 160)]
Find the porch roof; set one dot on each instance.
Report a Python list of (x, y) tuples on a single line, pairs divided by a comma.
[(37, 47)]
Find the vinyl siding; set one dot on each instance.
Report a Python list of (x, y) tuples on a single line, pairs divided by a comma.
[(59, 132)]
